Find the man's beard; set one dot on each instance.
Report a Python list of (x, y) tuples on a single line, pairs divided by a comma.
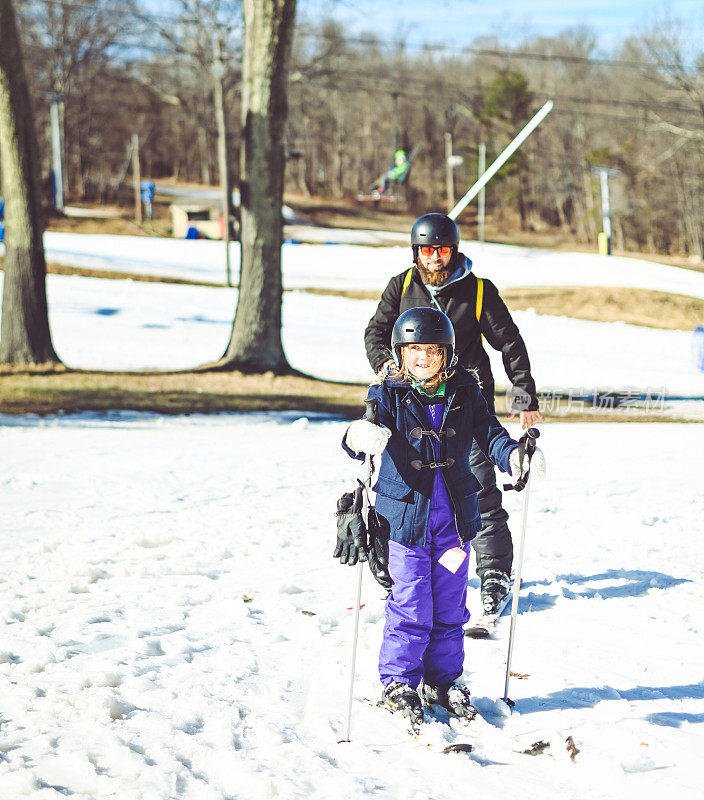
[(434, 277)]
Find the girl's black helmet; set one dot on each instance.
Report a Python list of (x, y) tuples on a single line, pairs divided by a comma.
[(435, 230), (423, 325)]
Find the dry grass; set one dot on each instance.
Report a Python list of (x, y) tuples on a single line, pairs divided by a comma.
[(46, 391), (84, 272), (602, 304), (611, 304), (51, 391)]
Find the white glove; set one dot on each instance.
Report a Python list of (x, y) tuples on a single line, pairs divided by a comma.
[(364, 437), (537, 464)]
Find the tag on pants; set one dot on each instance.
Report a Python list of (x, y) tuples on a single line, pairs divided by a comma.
[(452, 559)]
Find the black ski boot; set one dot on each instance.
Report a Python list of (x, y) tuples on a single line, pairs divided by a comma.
[(495, 588), (453, 697), (405, 699)]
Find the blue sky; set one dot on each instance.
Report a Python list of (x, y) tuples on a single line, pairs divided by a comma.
[(458, 22)]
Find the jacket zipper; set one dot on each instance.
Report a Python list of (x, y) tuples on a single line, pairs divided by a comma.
[(448, 408), (448, 405)]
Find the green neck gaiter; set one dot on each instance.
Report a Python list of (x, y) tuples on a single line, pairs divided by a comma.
[(439, 392)]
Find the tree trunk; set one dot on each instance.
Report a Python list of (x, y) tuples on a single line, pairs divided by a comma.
[(204, 156), (24, 334), (521, 196), (337, 151), (255, 343)]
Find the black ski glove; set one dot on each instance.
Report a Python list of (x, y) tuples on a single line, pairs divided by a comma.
[(379, 548), (351, 545)]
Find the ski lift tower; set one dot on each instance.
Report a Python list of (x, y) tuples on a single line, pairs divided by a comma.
[(604, 174), (57, 170)]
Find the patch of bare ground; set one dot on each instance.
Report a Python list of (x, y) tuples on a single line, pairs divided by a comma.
[(84, 272), (601, 304), (611, 304), (45, 391), (119, 223)]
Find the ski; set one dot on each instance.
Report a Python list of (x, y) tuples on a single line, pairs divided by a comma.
[(483, 627), (419, 730), (438, 728)]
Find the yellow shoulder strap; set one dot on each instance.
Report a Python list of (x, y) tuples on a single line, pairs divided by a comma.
[(407, 281), (480, 300), (480, 297)]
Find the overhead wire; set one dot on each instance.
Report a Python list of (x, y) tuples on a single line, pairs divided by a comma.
[(397, 46)]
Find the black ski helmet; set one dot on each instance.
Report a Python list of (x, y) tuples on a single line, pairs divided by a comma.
[(423, 325), (435, 230)]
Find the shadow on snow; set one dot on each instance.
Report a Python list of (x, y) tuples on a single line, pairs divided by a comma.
[(626, 583), (588, 697)]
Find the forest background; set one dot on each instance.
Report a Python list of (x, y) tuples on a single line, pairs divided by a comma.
[(121, 70)]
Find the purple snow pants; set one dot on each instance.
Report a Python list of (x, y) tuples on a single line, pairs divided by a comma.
[(427, 607)]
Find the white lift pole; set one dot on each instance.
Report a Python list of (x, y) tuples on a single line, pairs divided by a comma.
[(604, 174), (56, 160), (481, 205), (501, 160)]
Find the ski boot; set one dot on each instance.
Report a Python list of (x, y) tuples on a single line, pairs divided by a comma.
[(495, 588), (405, 699), (453, 697)]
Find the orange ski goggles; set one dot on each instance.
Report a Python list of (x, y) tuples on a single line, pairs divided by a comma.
[(443, 250)]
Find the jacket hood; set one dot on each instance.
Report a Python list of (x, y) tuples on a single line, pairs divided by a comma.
[(464, 267)]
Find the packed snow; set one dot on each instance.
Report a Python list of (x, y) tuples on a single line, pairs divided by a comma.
[(98, 324), (351, 267), (175, 626), (322, 335)]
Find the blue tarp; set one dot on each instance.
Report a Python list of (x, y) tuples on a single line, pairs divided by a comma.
[(698, 347)]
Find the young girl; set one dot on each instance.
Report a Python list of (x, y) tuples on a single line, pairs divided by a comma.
[(430, 410)]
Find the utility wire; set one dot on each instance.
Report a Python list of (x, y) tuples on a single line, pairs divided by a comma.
[(107, 10), (389, 85), (399, 48)]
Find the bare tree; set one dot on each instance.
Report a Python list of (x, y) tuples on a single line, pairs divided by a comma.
[(684, 84), (354, 98), (201, 37), (24, 336), (255, 343), (70, 47)]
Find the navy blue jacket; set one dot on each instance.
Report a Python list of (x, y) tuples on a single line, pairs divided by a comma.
[(404, 491)]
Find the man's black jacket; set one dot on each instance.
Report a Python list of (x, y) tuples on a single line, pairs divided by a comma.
[(458, 299)]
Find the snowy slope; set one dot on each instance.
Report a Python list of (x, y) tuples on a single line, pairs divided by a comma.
[(323, 335), (126, 325), (174, 626), (349, 267)]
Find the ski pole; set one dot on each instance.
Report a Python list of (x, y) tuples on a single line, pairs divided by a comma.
[(372, 416), (531, 435)]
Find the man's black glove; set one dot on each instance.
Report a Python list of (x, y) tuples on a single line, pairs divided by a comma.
[(351, 545), (379, 548)]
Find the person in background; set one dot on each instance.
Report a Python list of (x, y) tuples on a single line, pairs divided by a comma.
[(441, 277), (397, 173)]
